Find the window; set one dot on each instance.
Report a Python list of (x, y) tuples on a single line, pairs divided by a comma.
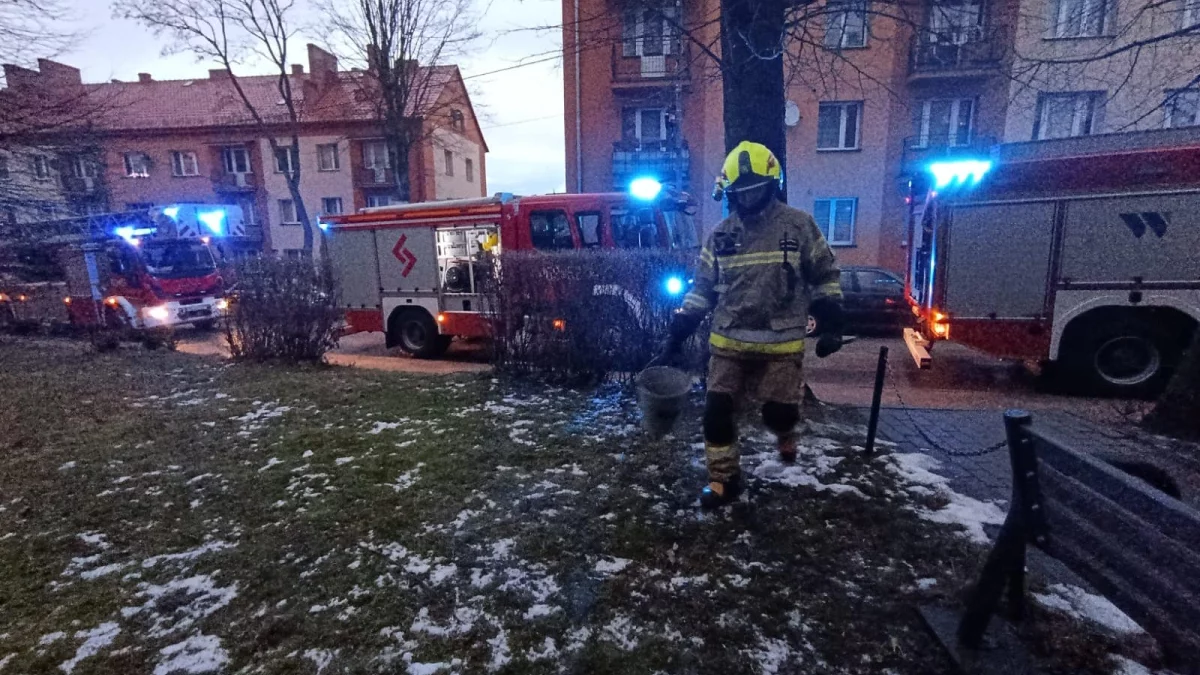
[(376, 155), (1063, 115), (457, 120), (879, 282), (137, 165), (1183, 109), (287, 212), (184, 164), (835, 217), (955, 22), (379, 200), (649, 31), (589, 228), (644, 125), (249, 211), (331, 206), (550, 230), (235, 159), (327, 157), (449, 162), (295, 253), (83, 167), (287, 159), (41, 167), (837, 126), (469, 169), (944, 122), (1081, 18), (634, 229), (846, 24)]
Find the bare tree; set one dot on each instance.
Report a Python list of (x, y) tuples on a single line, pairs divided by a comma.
[(400, 42), (33, 28), (229, 32)]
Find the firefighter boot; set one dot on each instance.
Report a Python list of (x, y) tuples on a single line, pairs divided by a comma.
[(781, 418), (787, 448), (724, 474)]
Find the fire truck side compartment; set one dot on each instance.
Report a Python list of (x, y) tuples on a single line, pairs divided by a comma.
[(356, 266), (407, 267), (1124, 238), (998, 260)]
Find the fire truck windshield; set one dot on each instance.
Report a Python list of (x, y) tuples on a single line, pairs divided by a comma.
[(177, 259)]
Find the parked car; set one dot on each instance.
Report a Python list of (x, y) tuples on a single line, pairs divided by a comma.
[(873, 300)]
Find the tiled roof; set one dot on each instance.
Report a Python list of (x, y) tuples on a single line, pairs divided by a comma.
[(213, 101)]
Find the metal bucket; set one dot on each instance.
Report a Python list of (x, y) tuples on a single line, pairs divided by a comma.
[(662, 394)]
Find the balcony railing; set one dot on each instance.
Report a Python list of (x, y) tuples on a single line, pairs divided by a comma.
[(234, 182), (970, 51), (919, 152), (650, 71), (80, 185), (665, 160), (374, 177)]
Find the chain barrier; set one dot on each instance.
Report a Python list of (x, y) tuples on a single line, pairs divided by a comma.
[(891, 379)]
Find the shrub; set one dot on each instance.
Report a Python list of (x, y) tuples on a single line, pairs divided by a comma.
[(583, 316), (283, 310)]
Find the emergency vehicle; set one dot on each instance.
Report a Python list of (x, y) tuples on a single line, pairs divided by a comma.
[(141, 270), (1080, 253), (415, 272)]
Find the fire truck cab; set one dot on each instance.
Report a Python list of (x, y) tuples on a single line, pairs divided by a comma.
[(1078, 253), (416, 272)]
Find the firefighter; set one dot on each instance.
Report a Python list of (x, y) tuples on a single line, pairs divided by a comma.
[(761, 273)]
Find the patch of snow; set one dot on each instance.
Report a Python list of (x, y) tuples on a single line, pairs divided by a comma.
[(406, 479), (926, 584), (321, 658), (4, 661), (97, 572), (611, 566), (481, 580), (66, 466), (189, 555), (442, 573), (203, 598), (197, 479), (1125, 666), (501, 654), (680, 582), (93, 641), (737, 581), (966, 512), (540, 610), (461, 622), (51, 638), (1078, 603), (502, 549), (344, 460), (576, 639), (771, 655), (518, 435), (274, 461), (381, 427), (307, 454), (549, 651), (621, 632), (198, 654), (418, 668)]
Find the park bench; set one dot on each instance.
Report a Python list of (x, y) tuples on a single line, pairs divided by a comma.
[(1133, 542)]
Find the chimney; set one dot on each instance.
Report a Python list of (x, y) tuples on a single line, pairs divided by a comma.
[(59, 74), (321, 63), (145, 77), (218, 74), (297, 69)]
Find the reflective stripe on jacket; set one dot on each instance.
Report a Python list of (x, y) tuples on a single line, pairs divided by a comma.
[(758, 278)]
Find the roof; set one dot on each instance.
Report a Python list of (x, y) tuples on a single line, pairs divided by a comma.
[(214, 101)]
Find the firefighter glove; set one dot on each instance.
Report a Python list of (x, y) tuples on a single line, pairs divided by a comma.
[(831, 321), (681, 328)]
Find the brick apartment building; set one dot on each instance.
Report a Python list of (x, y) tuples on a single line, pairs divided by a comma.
[(881, 100), (156, 142)]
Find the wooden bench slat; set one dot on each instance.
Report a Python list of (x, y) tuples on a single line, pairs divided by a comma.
[(1179, 521), (1158, 549)]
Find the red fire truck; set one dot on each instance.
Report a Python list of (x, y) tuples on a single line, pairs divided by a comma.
[(1080, 253), (413, 271), (141, 270)]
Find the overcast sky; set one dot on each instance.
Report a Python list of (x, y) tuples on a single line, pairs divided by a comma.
[(520, 110)]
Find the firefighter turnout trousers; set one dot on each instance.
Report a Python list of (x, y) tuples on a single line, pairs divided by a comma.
[(779, 384)]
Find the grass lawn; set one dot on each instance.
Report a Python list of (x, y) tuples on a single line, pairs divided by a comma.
[(161, 513)]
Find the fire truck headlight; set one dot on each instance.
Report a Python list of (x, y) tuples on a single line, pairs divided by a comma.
[(223, 304), (645, 188), (674, 286), (160, 313)]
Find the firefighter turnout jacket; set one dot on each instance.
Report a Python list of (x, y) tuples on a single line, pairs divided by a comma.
[(758, 277)]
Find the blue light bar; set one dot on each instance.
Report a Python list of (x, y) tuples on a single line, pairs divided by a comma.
[(213, 220), (130, 233), (674, 286), (960, 172), (171, 212), (645, 188)]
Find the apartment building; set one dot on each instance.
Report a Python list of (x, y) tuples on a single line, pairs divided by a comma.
[(876, 102), (156, 142)]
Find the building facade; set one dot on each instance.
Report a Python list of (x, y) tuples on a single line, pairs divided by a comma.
[(156, 142), (874, 103)]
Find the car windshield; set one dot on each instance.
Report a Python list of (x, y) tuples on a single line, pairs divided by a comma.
[(176, 259)]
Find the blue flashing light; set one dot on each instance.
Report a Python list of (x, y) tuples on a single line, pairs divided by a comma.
[(213, 220), (171, 212), (645, 188), (961, 172), (674, 286), (323, 225), (130, 233)]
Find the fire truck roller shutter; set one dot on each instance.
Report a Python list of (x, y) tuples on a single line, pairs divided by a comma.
[(1152, 237), (994, 247), (356, 267), (407, 259)]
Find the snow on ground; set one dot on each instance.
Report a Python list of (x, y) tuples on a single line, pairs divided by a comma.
[(256, 420), (93, 641), (1078, 603), (969, 513), (197, 654)]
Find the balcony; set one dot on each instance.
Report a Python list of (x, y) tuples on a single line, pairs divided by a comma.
[(80, 186), (234, 182), (976, 51), (374, 177), (668, 161), (648, 72)]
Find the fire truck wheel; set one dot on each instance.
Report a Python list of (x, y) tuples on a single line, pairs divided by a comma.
[(205, 326), (417, 333), (1128, 358)]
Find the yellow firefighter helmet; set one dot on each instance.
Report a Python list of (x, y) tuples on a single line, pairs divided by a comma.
[(748, 166)]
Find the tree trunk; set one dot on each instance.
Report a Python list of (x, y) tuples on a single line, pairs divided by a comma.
[(1178, 409), (752, 57)]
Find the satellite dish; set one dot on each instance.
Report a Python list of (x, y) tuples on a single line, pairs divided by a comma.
[(791, 114)]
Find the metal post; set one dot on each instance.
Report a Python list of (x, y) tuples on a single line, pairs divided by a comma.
[(876, 399)]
